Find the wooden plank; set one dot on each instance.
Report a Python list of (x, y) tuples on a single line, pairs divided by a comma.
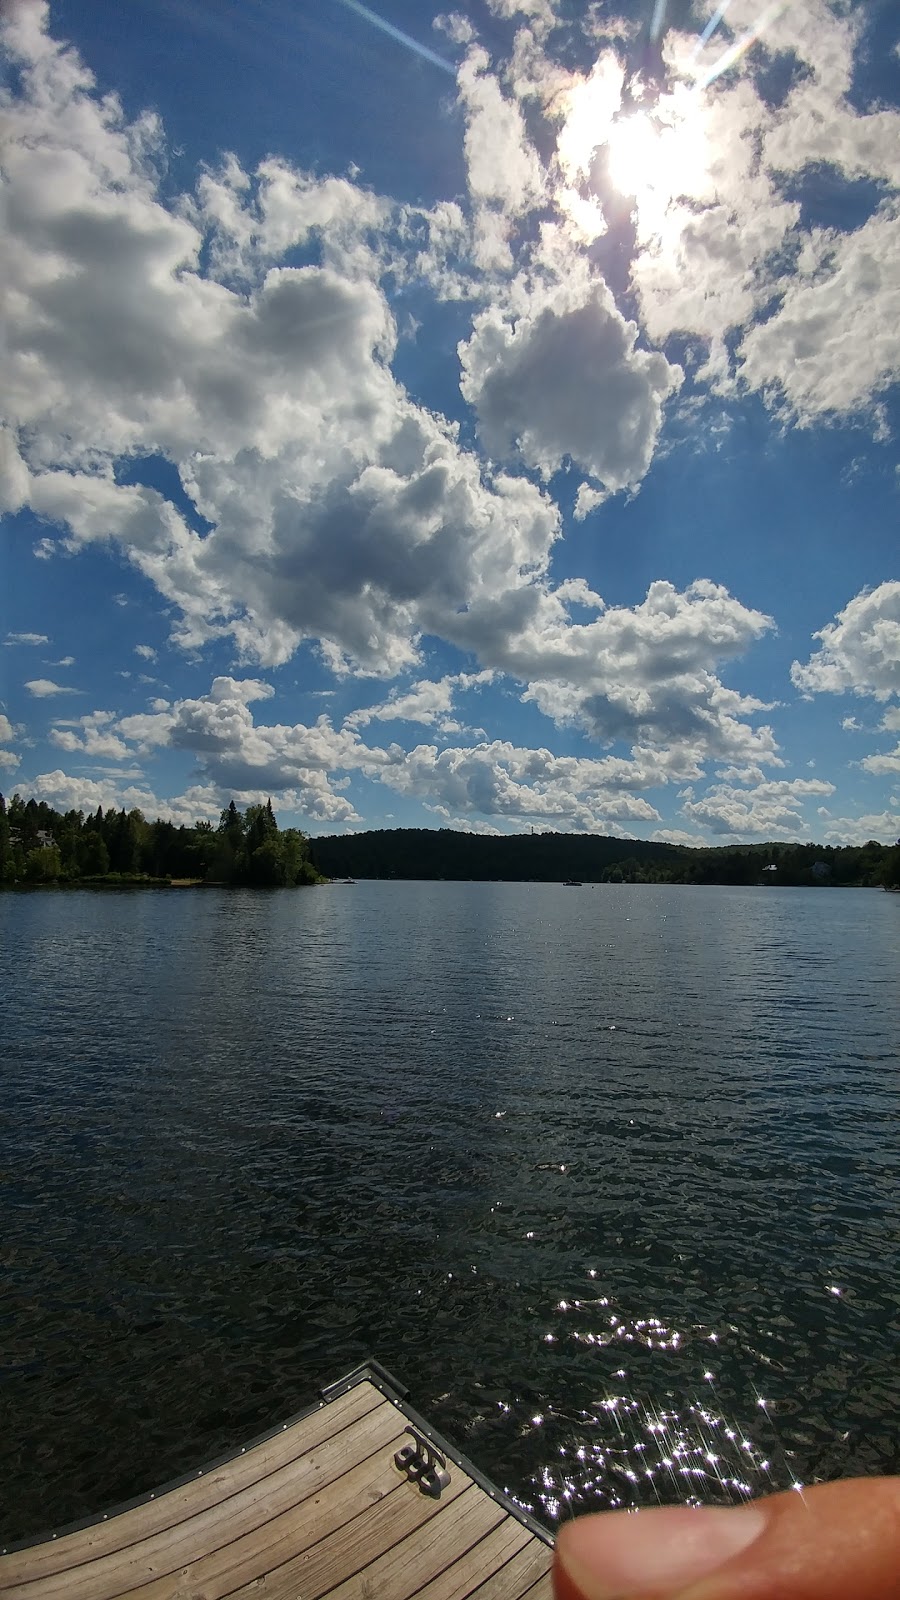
[(377, 1433), (542, 1590), (101, 1538), (519, 1574), (422, 1555), (484, 1558), (340, 1554), (318, 1521)]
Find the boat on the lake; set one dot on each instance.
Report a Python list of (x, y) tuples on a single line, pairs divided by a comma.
[(355, 1497), (571, 883)]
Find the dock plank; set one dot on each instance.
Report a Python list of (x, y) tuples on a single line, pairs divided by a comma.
[(422, 1555), (542, 1590), (245, 1513), (483, 1558), (199, 1494), (343, 1552), (284, 1539), (518, 1575)]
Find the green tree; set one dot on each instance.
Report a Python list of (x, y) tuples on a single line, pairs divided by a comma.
[(43, 864), (92, 856), (890, 870)]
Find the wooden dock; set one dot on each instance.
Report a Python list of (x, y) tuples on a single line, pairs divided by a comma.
[(355, 1499)]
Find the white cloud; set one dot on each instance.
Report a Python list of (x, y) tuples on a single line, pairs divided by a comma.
[(588, 499), (26, 638), (567, 381), (538, 12), (65, 793), (503, 169), (9, 760), (340, 510), (428, 702), (312, 763), (501, 779), (860, 649), (93, 736), (41, 688), (834, 343), (644, 673), (889, 761), (146, 651), (456, 27), (771, 810), (239, 756), (884, 826), (676, 836)]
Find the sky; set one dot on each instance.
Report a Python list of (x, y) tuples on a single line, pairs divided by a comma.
[(484, 419)]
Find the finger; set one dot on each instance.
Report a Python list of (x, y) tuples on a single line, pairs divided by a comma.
[(839, 1541)]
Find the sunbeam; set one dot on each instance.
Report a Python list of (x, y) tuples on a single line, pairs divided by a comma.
[(398, 34), (658, 19), (740, 46), (711, 26)]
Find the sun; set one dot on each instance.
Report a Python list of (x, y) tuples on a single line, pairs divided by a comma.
[(656, 155)]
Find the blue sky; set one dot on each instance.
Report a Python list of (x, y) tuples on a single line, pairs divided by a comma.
[(484, 419)]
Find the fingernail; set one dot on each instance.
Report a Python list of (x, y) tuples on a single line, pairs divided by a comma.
[(651, 1554)]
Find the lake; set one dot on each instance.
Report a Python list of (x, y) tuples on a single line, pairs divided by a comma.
[(607, 1176)]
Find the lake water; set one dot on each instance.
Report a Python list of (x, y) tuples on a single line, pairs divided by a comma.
[(606, 1175)]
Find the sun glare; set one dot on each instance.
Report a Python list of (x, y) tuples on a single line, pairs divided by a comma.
[(657, 155), (635, 147)]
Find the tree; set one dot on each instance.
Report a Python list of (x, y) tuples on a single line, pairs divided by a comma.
[(890, 871), (43, 865), (92, 856)]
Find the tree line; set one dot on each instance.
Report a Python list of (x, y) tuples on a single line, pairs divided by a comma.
[(589, 858), (41, 845)]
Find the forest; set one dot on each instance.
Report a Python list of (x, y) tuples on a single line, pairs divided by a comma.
[(590, 858), (39, 845)]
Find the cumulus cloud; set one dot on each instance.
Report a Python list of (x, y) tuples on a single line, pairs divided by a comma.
[(566, 381), (770, 810), (429, 702), (92, 736), (859, 650), (66, 793), (503, 168), (9, 759), (42, 688), (456, 27), (238, 755), (887, 762), (340, 510), (26, 638), (306, 767), (500, 779), (883, 826), (644, 673), (834, 343)]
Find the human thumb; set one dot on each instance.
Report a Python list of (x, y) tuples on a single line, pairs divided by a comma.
[(838, 1541)]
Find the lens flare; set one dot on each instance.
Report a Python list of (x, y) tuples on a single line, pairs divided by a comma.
[(401, 38), (742, 45)]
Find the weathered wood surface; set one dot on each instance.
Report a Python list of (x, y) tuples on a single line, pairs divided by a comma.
[(318, 1510)]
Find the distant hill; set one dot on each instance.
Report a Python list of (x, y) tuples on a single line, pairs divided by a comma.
[(589, 858)]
